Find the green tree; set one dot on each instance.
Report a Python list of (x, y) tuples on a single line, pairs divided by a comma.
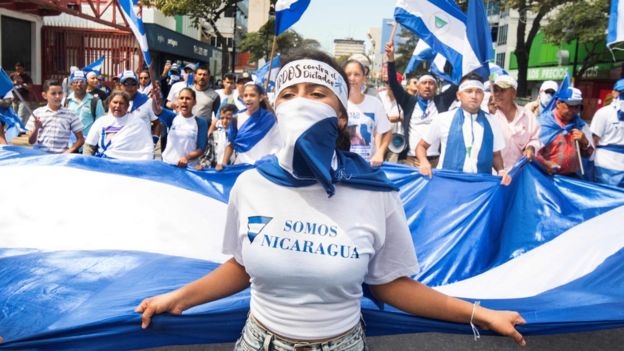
[(258, 44), (200, 11), (585, 23), (523, 40), (405, 51)]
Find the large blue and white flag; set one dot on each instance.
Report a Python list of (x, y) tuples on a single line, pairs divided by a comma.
[(95, 66), (71, 274), (615, 33), (287, 13), (442, 24), (6, 85), (262, 73), (422, 53), (136, 25)]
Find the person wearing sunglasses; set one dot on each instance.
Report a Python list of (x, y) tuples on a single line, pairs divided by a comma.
[(141, 105)]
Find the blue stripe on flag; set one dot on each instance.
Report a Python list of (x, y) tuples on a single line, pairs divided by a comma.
[(287, 13), (136, 25), (6, 84)]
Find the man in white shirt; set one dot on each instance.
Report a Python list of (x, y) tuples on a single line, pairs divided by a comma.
[(471, 140), (607, 129), (141, 106)]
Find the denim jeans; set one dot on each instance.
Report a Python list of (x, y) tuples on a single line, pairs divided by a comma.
[(256, 338)]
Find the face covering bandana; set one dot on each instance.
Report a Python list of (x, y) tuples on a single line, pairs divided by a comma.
[(309, 130), (545, 98)]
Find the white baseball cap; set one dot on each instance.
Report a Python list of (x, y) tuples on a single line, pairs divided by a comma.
[(506, 81), (549, 85)]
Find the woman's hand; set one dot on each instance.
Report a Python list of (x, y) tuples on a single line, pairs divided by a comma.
[(165, 303), (506, 177), (376, 160), (183, 162), (501, 322)]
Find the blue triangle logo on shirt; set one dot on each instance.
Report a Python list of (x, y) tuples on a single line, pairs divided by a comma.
[(255, 225)]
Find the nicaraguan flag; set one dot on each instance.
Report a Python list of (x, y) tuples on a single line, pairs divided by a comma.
[(442, 25), (136, 25), (437, 68), (6, 85), (261, 74), (615, 33), (496, 70), (95, 66), (71, 279), (287, 13), (422, 53)]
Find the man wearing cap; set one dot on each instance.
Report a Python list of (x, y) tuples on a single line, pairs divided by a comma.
[(187, 80), (607, 129), (519, 126), (470, 139), (419, 111), (86, 106), (66, 84), (141, 106), (240, 87), (561, 130), (546, 93)]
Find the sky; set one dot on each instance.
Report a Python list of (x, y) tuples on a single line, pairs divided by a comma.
[(326, 20)]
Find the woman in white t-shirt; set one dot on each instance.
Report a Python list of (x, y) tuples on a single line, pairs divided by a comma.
[(369, 127), (188, 135), (298, 240), (118, 134)]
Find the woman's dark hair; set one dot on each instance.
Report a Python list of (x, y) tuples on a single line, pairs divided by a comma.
[(343, 142), (121, 93), (260, 93), (190, 91)]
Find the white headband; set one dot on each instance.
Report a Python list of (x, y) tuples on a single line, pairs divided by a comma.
[(425, 77), (469, 84), (312, 71)]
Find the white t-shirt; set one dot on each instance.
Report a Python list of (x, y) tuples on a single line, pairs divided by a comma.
[(126, 138), (219, 139), (144, 112), (181, 140), (269, 144), (420, 122), (308, 255), (606, 125), (174, 90), (439, 132), (366, 120)]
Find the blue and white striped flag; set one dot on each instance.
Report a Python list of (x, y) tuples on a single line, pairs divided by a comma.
[(442, 25), (261, 73), (136, 25), (6, 85), (616, 23), (95, 66), (287, 13), (77, 289), (422, 53)]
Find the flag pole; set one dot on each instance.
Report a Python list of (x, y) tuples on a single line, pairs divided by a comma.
[(578, 156), (268, 77), (30, 113)]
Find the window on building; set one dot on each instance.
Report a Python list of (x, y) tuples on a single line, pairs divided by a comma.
[(502, 35), (500, 59)]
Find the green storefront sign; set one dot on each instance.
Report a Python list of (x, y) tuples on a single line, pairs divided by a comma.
[(600, 71)]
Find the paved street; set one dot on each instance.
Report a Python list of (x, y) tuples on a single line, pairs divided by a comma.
[(592, 341)]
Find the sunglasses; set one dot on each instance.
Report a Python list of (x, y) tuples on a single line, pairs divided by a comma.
[(129, 83)]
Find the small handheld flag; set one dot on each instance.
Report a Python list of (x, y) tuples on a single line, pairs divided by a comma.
[(136, 25), (6, 84), (95, 66), (615, 33)]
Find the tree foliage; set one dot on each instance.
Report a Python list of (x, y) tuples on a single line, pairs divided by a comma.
[(586, 22), (258, 44), (405, 51), (523, 40)]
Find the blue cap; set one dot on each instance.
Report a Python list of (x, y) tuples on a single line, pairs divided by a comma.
[(77, 75), (572, 96), (619, 85), (128, 75)]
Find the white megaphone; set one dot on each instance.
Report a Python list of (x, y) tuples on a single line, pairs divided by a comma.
[(398, 142)]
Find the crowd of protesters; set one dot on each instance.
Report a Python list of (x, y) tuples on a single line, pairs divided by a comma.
[(189, 121)]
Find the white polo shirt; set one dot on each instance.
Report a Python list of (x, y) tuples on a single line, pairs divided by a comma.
[(308, 255), (439, 132), (606, 125)]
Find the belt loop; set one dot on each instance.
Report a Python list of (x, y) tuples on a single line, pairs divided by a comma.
[(268, 339)]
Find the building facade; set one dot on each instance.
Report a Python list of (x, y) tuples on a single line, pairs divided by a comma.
[(348, 47)]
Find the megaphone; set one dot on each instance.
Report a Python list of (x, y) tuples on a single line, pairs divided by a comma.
[(398, 143)]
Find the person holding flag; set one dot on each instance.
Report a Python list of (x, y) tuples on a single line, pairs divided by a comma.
[(607, 129), (306, 290), (565, 137), (141, 106)]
